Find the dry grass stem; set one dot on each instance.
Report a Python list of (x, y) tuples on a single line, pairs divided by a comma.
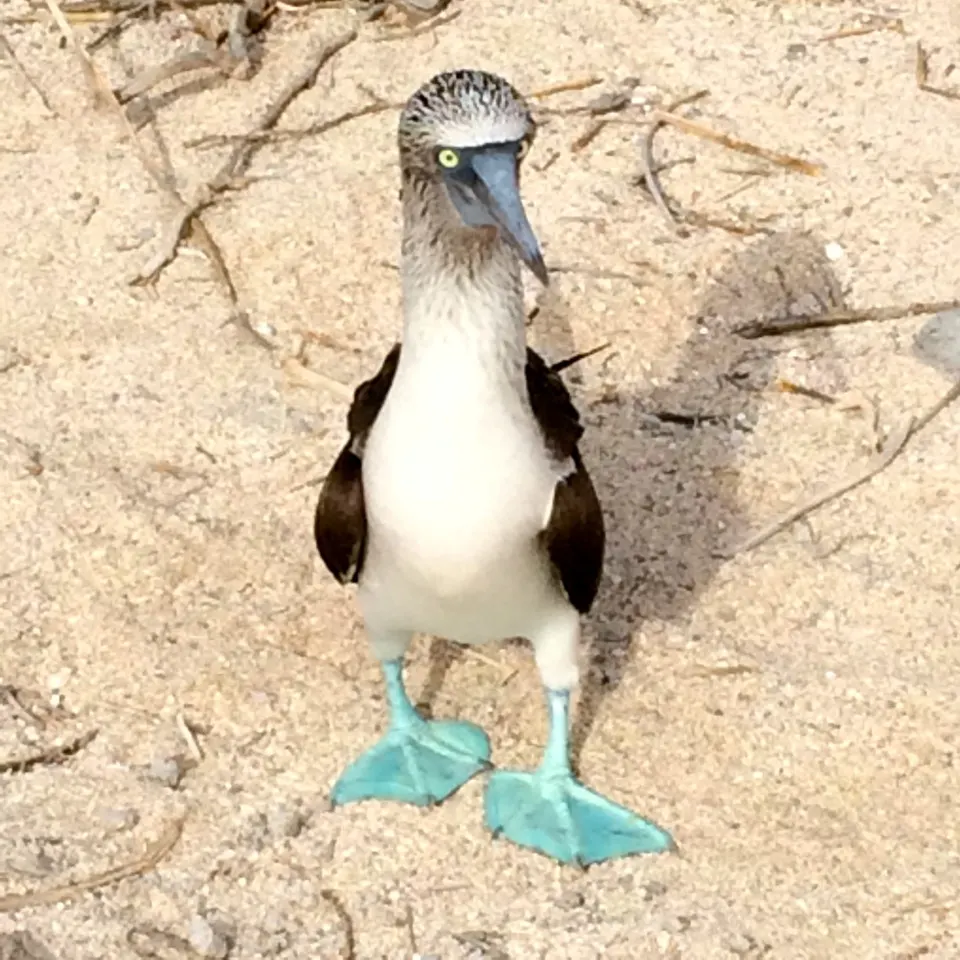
[(189, 737), (420, 29), (11, 55), (651, 178), (279, 136), (12, 696), (588, 135), (880, 461), (736, 227), (53, 755), (788, 386), (186, 217), (154, 853), (239, 159), (99, 90), (923, 76), (884, 23), (734, 143), (149, 77), (307, 377), (598, 273), (102, 7), (349, 949), (568, 86), (779, 326)]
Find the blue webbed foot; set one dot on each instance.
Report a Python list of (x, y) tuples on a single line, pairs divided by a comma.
[(556, 815), (416, 761), (548, 810), (422, 763)]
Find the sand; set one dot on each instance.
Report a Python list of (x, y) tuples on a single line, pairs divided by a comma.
[(790, 714)]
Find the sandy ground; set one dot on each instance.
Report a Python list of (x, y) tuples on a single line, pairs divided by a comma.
[(790, 714)]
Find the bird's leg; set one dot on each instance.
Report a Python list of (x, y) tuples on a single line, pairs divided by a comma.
[(548, 809), (416, 761)]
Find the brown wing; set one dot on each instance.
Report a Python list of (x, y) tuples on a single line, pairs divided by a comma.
[(340, 522), (574, 535)]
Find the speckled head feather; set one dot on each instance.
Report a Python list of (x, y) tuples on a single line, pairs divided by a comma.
[(462, 138), (461, 108)]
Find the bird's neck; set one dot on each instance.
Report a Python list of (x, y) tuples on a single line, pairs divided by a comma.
[(462, 293)]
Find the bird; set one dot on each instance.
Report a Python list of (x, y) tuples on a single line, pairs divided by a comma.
[(460, 504)]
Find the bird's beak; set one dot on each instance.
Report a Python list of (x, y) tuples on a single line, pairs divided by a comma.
[(498, 189)]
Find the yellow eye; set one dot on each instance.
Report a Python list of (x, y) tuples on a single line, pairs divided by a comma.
[(523, 149), (448, 158)]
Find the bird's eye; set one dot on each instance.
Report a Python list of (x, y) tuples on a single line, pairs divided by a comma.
[(523, 149), (448, 158)]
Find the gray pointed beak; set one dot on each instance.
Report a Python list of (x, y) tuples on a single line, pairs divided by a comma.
[(497, 187)]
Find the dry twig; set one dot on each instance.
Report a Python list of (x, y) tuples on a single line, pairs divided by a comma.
[(189, 737), (239, 159), (735, 227), (149, 77), (880, 461), (11, 55), (923, 76), (568, 86), (734, 143), (428, 27), (49, 757), (80, 7), (788, 386), (349, 951), (305, 376), (597, 273), (588, 135), (153, 944), (231, 171), (652, 180), (278, 136), (12, 696), (894, 24), (118, 23), (98, 88), (575, 358), (154, 853), (779, 326), (186, 221)]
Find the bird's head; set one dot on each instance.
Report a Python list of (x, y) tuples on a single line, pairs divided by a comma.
[(468, 131)]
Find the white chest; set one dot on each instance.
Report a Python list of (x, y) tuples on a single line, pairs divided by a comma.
[(456, 478)]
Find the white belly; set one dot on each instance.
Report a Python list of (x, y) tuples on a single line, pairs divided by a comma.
[(456, 495)]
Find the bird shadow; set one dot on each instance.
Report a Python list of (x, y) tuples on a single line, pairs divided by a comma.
[(665, 462)]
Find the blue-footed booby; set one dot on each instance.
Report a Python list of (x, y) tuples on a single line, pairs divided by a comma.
[(460, 504)]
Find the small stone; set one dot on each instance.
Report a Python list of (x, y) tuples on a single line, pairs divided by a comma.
[(741, 944), (609, 102), (678, 924), (571, 900), (223, 925), (284, 822), (256, 832), (937, 343), (167, 770), (117, 819), (796, 51), (833, 251), (23, 946), (204, 940), (653, 889), (58, 680)]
